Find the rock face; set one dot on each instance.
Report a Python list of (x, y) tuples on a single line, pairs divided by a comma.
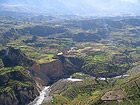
[(63, 66), (22, 96), (14, 57), (17, 88), (55, 69), (21, 87), (44, 73), (16, 85), (71, 65)]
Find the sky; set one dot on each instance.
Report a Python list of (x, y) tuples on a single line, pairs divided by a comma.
[(131, 1), (72, 6)]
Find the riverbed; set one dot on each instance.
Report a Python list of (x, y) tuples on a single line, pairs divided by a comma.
[(45, 93), (44, 97)]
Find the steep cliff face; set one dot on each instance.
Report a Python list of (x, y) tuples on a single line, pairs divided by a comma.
[(16, 85), (54, 69), (44, 73), (63, 66), (21, 95), (70, 64), (14, 57), (17, 88)]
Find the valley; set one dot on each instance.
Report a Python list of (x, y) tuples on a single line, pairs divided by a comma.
[(84, 61)]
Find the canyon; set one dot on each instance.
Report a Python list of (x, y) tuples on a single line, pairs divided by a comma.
[(40, 74)]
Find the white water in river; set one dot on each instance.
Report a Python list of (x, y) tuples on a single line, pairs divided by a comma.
[(74, 80), (126, 75), (44, 94)]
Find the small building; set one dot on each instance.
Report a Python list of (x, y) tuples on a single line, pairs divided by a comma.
[(60, 53)]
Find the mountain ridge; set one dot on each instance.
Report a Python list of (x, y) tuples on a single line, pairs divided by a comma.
[(86, 7)]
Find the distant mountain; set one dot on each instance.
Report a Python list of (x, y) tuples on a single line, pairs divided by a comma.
[(94, 7)]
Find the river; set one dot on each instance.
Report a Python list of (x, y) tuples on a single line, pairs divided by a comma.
[(44, 96), (45, 93)]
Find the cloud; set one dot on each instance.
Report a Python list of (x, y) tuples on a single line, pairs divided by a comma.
[(131, 1), (7, 5)]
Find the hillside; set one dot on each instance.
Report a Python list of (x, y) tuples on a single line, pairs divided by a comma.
[(84, 7), (16, 86), (41, 51), (123, 91)]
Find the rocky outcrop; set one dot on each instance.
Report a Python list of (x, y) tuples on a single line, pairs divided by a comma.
[(20, 86), (62, 66), (54, 69), (17, 88), (21, 95), (44, 73), (70, 64), (14, 57), (16, 85)]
